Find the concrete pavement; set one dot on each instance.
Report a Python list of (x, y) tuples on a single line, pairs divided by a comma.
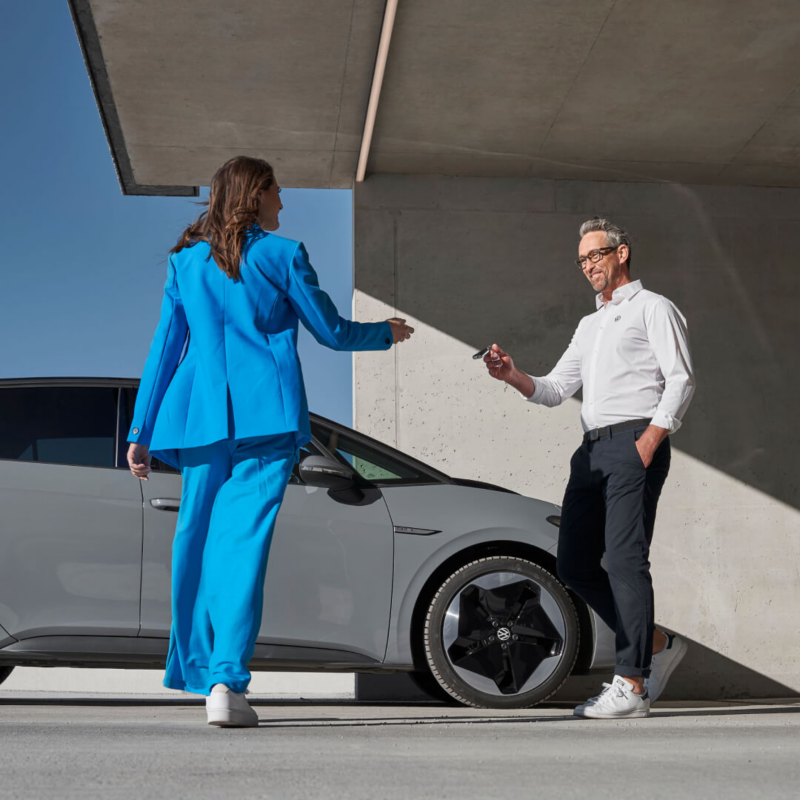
[(80, 746)]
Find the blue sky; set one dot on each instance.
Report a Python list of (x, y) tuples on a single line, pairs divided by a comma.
[(82, 268)]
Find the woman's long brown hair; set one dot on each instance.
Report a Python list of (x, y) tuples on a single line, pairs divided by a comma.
[(232, 211)]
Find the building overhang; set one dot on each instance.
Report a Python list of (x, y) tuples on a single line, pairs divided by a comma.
[(681, 92)]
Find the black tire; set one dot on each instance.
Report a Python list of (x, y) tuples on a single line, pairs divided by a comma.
[(5, 672), (427, 684), (478, 658)]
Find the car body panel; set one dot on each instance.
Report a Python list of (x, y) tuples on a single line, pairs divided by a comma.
[(465, 517), (151, 653), (329, 573), (604, 656), (71, 539), (5, 638), (85, 559), (159, 531), (329, 577)]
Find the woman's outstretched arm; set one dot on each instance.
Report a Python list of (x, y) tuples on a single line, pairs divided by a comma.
[(318, 313)]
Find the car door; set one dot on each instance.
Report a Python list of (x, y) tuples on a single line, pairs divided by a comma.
[(161, 496), (71, 526), (329, 575)]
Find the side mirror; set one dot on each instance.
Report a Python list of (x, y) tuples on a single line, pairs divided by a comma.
[(326, 473)]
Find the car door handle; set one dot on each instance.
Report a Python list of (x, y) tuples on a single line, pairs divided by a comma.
[(165, 504)]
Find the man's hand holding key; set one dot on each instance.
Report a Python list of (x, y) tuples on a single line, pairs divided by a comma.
[(501, 366)]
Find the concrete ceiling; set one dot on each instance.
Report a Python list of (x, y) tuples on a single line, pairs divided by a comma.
[(183, 85), (685, 91)]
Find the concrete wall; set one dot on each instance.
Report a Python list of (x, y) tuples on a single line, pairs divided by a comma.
[(475, 261)]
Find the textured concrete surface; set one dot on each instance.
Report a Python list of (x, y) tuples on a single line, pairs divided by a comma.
[(593, 89), (580, 89), (84, 747), (474, 261), (195, 83)]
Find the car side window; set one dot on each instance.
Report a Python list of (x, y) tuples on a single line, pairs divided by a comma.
[(370, 464), (59, 425)]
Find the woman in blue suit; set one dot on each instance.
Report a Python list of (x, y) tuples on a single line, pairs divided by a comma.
[(222, 399)]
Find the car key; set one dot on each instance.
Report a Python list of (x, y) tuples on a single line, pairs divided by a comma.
[(482, 353)]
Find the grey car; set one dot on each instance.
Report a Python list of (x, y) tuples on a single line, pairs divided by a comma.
[(379, 563)]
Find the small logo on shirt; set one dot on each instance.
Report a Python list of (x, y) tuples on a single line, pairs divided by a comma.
[(617, 319)]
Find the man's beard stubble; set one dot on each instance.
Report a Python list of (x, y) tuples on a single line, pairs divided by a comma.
[(603, 282)]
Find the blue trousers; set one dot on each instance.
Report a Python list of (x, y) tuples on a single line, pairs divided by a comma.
[(232, 492)]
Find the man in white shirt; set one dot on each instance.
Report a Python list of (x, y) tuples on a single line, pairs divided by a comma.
[(632, 359)]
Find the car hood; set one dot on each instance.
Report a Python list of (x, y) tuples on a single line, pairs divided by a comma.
[(481, 485)]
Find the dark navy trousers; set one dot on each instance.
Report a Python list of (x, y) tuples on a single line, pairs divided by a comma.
[(610, 507)]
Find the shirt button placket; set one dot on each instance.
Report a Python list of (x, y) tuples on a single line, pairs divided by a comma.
[(592, 418)]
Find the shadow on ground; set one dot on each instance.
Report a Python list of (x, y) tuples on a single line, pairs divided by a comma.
[(703, 674), (296, 714)]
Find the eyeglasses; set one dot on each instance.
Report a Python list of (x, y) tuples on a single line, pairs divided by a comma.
[(595, 255)]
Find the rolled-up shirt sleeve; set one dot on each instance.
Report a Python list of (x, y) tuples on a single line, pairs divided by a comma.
[(562, 382), (667, 331)]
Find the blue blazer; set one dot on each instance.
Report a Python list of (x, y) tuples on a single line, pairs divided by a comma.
[(240, 374)]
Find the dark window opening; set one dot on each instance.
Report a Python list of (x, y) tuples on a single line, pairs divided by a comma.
[(69, 425)]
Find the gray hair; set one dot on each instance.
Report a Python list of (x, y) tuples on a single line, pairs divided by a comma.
[(615, 236)]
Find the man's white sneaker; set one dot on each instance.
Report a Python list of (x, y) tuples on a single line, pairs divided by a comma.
[(663, 665), (229, 709), (616, 701)]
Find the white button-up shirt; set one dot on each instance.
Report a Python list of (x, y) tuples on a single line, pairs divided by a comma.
[(631, 357)]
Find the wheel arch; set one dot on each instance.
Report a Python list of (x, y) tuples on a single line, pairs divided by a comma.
[(512, 548)]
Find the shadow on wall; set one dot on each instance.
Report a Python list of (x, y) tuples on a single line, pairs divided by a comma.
[(493, 260), (702, 675)]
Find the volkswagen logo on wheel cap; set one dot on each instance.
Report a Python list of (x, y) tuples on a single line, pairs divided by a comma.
[(503, 634)]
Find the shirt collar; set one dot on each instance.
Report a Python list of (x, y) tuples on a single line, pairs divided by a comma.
[(623, 293)]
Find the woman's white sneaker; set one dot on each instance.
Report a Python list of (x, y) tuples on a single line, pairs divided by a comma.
[(663, 665), (229, 709), (616, 701)]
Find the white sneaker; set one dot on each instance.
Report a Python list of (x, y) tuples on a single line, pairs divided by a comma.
[(229, 709), (663, 665), (616, 701)]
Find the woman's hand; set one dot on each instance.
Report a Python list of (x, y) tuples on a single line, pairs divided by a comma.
[(139, 460), (400, 331)]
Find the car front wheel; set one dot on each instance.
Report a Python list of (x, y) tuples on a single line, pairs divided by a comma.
[(5, 672), (501, 632)]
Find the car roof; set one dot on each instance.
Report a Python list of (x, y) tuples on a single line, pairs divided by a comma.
[(67, 381), (48, 382)]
